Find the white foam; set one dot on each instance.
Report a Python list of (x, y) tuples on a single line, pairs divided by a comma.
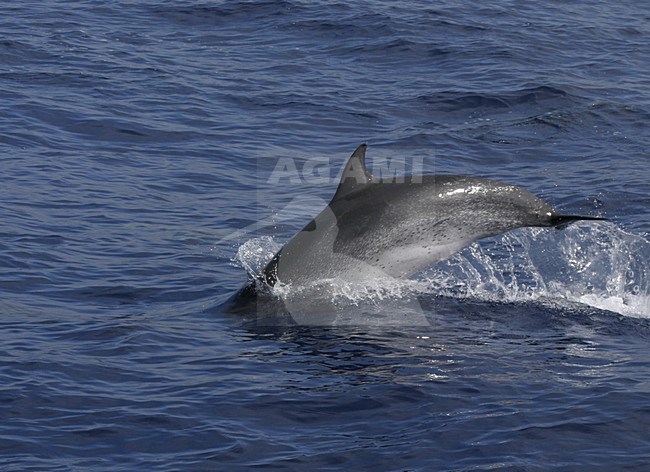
[(635, 306)]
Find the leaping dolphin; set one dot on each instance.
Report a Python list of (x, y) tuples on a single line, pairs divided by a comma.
[(375, 227)]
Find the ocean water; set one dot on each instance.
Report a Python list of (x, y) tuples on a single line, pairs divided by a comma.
[(155, 154)]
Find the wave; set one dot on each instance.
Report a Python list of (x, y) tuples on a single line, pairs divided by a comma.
[(455, 101), (227, 12)]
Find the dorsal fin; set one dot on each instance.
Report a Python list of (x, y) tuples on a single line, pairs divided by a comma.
[(355, 175)]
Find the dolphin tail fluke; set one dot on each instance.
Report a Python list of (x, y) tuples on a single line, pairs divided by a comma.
[(562, 221)]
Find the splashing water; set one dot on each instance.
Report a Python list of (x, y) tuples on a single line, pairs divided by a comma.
[(254, 254), (594, 264)]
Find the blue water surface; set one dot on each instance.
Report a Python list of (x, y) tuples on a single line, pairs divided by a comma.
[(140, 144)]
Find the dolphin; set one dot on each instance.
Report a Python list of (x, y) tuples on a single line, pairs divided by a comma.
[(381, 227)]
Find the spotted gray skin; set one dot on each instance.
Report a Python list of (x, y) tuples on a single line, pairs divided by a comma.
[(375, 227)]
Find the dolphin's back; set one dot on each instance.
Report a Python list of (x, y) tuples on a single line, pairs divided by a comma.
[(375, 227), (397, 229), (402, 228)]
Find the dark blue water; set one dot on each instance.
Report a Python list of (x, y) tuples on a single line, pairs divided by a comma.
[(139, 142)]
